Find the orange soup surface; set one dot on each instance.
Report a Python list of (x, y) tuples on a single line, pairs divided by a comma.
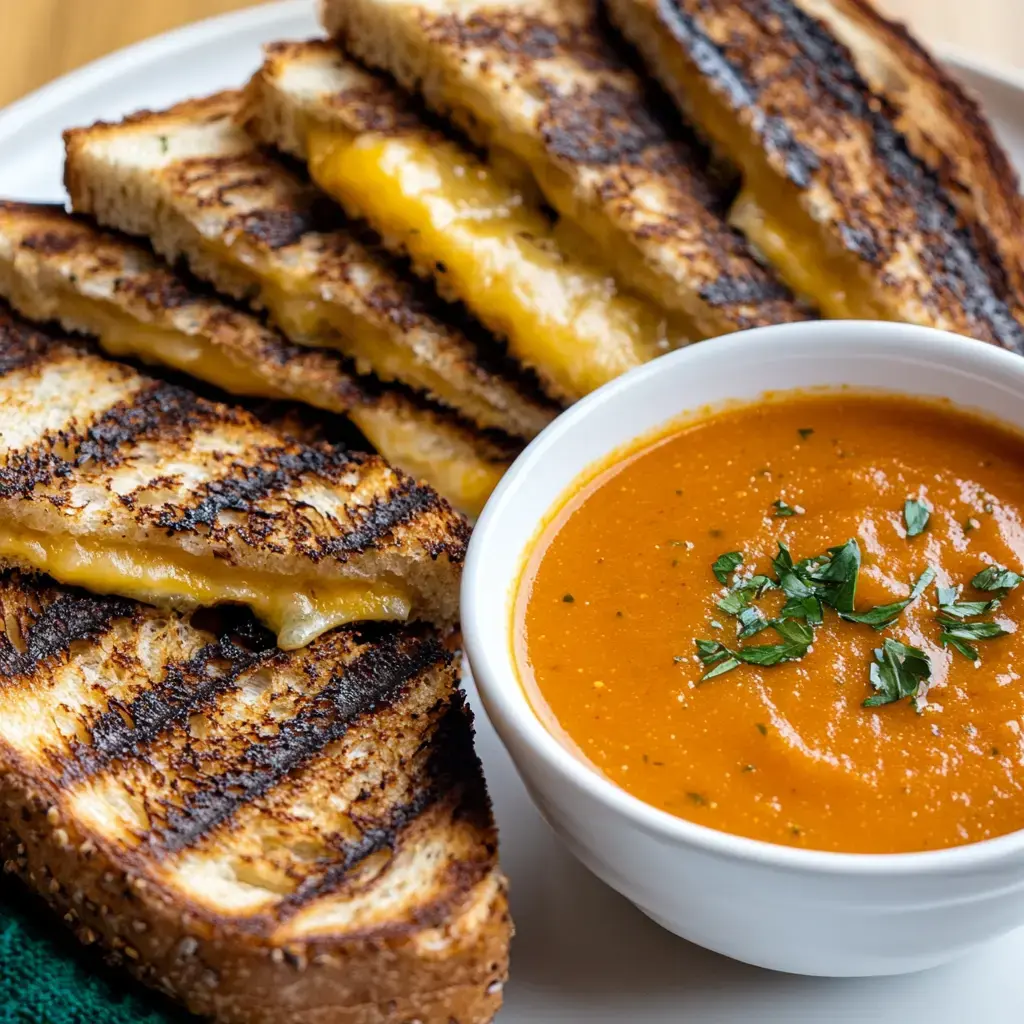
[(837, 504)]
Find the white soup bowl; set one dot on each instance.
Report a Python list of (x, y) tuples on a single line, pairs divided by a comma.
[(804, 911)]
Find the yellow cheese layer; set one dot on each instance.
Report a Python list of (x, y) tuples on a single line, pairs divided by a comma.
[(408, 441), (448, 464), (770, 210), (298, 609), (320, 324), (122, 335), (497, 254), (788, 238)]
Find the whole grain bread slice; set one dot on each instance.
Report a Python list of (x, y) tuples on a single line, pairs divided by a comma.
[(126, 484), (265, 836)]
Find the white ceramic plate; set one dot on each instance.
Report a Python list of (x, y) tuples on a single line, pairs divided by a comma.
[(582, 954)]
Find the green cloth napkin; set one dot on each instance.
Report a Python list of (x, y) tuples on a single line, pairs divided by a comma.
[(48, 977)]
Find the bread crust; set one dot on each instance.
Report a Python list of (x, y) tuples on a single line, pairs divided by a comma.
[(541, 80), (437, 955)]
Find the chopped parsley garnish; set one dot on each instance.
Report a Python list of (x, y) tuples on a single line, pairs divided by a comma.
[(886, 614), (750, 622), (568, 598), (995, 578), (915, 516), (897, 672), (782, 510), (726, 564), (805, 432), (830, 580)]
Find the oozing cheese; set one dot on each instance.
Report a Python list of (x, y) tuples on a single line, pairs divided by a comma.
[(498, 255), (297, 608), (121, 335)]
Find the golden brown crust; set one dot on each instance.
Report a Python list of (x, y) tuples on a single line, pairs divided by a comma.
[(194, 183), (440, 950), (204, 478), (543, 82), (938, 237)]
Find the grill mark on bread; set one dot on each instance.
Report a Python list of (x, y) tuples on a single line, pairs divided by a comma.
[(48, 628), (157, 410), (963, 265), (373, 680), (402, 505), (126, 729), (274, 470), (22, 346)]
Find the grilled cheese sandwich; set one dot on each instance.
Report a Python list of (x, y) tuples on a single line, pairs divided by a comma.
[(459, 221), (53, 267), (257, 833), (542, 82), (194, 183), (126, 485), (864, 205)]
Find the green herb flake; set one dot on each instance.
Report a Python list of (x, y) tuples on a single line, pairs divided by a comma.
[(997, 579), (886, 614), (896, 673), (698, 798), (750, 622), (837, 577), (568, 599), (726, 564), (761, 728), (715, 624), (164, 143), (782, 510), (915, 516), (747, 768), (804, 432)]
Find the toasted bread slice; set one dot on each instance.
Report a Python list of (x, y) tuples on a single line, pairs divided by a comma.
[(128, 485), (55, 267), (540, 81), (266, 836), (462, 224), (192, 181), (865, 202)]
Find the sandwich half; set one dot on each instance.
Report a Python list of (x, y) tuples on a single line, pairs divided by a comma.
[(266, 836), (468, 226), (124, 484), (870, 180), (193, 183), (56, 267), (542, 82)]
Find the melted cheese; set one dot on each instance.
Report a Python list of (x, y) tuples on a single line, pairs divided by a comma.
[(454, 469), (497, 254), (298, 609), (121, 335), (770, 210), (304, 317)]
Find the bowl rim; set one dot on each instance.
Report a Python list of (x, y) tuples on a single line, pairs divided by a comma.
[(489, 647)]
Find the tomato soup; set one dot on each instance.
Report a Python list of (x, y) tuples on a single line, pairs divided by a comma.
[(797, 621)]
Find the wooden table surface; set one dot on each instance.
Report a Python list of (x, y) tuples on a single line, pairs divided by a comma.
[(45, 38)]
